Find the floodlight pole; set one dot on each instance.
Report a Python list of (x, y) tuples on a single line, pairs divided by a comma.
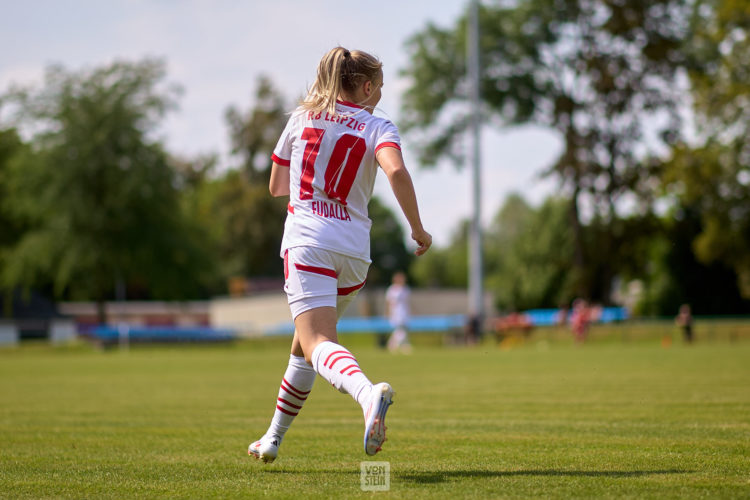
[(476, 289)]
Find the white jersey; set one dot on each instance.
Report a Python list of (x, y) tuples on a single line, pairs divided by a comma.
[(332, 174), (398, 304)]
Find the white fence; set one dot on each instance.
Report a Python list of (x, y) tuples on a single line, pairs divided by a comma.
[(59, 331)]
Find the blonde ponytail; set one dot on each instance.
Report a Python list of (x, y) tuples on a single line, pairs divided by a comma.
[(338, 71)]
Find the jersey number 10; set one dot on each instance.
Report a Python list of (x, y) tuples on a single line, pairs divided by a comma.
[(342, 167)]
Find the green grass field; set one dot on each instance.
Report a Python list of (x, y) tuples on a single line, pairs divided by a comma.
[(545, 419)]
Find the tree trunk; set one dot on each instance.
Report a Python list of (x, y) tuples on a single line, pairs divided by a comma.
[(579, 259)]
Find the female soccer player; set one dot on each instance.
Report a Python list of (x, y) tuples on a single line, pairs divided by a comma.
[(326, 161), (397, 299)]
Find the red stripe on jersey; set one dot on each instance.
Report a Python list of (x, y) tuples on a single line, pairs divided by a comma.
[(350, 104), (348, 290), (317, 270), (280, 161), (297, 390), (346, 157), (353, 372), (289, 404), (387, 145), (333, 354), (313, 138), (286, 264), (282, 410), (290, 207)]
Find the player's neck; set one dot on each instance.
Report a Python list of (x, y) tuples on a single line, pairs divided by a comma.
[(359, 100)]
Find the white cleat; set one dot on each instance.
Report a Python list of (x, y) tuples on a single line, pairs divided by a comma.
[(265, 449), (380, 399)]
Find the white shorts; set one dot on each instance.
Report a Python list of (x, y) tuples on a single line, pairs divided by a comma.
[(321, 278)]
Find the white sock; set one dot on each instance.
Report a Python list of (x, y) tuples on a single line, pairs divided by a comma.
[(295, 387), (337, 365)]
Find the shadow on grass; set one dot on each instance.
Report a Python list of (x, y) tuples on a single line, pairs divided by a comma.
[(439, 477), (338, 472)]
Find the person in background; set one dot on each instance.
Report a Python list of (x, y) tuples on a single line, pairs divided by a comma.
[(397, 299), (684, 320), (579, 320)]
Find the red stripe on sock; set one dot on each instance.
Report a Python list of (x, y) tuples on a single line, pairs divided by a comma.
[(282, 410), (355, 371), (291, 392), (291, 386), (289, 404), (340, 358), (350, 366), (333, 353)]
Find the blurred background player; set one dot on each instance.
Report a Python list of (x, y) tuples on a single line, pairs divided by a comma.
[(580, 318), (326, 162), (397, 298), (684, 320)]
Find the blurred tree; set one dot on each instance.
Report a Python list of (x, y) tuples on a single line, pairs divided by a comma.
[(444, 267), (602, 74), (529, 253), (711, 175), (249, 222), (12, 226), (195, 179), (254, 134), (674, 276), (713, 182), (387, 248), (99, 191)]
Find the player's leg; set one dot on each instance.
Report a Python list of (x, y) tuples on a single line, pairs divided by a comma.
[(317, 326), (406, 344), (294, 388), (331, 360), (353, 273), (397, 338), (340, 368), (320, 286), (401, 340)]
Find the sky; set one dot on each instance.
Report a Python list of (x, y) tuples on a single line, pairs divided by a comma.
[(215, 50)]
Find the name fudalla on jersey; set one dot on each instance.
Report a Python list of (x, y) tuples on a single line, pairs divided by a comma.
[(330, 210)]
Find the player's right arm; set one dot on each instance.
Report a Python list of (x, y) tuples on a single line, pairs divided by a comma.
[(281, 158), (392, 163), (279, 183)]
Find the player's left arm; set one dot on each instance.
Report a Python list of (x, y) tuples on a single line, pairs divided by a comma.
[(279, 183), (392, 163)]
